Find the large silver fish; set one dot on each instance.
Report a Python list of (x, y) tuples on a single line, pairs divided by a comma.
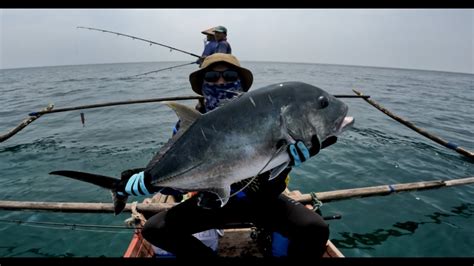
[(241, 139)]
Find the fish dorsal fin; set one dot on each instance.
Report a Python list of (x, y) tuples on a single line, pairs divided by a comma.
[(186, 115)]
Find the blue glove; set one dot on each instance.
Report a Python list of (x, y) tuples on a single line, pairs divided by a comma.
[(134, 185), (176, 127), (298, 153), (240, 194)]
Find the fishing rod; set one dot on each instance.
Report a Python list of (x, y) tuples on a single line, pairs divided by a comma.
[(141, 39), (155, 71)]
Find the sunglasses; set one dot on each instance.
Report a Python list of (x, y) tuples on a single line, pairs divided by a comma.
[(228, 75)]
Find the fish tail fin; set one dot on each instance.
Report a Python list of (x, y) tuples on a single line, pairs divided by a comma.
[(119, 202), (107, 182)]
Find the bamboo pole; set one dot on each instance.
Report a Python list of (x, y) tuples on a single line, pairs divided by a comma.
[(89, 106), (382, 190), (304, 198), (191, 97), (24, 123), (80, 207), (49, 109), (423, 132)]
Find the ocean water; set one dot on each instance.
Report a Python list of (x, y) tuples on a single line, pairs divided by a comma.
[(376, 151)]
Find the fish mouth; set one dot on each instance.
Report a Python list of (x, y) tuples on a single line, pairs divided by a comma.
[(342, 124), (347, 122)]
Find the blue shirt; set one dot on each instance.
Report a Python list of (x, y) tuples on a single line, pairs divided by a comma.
[(210, 48), (223, 47)]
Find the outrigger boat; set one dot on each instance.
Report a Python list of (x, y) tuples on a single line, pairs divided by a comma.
[(240, 241), (237, 241)]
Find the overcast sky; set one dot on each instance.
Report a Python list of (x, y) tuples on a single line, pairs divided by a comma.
[(431, 39)]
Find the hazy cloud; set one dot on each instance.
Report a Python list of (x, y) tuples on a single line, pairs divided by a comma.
[(407, 38)]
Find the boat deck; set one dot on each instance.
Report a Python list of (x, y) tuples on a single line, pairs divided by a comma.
[(235, 242)]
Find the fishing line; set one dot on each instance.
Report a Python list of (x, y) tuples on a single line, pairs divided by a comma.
[(161, 70), (253, 178), (271, 158)]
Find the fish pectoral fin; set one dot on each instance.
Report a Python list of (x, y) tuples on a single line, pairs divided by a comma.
[(186, 114), (223, 193), (277, 170)]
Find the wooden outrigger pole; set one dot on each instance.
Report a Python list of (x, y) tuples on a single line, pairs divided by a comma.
[(24, 123), (423, 132), (48, 110), (98, 105), (303, 198)]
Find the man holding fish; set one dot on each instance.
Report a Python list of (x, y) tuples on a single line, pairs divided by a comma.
[(224, 196)]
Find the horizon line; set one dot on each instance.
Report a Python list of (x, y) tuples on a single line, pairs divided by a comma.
[(265, 61)]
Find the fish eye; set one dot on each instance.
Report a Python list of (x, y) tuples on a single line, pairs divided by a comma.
[(323, 101)]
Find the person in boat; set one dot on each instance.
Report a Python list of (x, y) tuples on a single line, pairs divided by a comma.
[(260, 202), (223, 46), (217, 43), (209, 46)]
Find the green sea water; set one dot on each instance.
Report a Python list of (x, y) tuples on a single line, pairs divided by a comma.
[(376, 151)]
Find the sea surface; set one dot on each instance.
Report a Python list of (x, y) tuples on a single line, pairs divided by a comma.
[(377, 150)]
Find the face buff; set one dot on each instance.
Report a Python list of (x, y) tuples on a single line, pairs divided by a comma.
[(217, 94)]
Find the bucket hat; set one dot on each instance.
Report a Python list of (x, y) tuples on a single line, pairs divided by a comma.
[(196, 78)]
